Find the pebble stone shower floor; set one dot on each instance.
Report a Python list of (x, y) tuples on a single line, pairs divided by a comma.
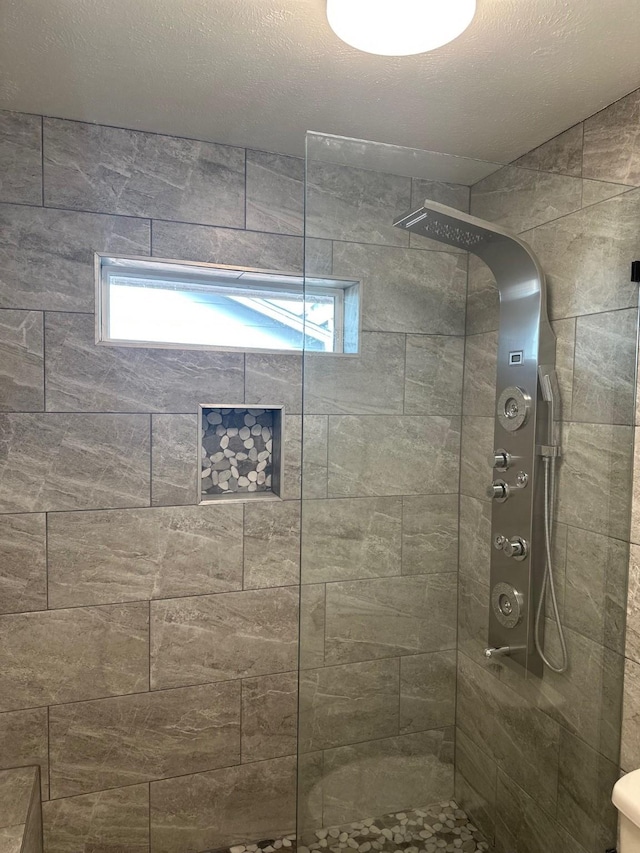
[(439, 828)]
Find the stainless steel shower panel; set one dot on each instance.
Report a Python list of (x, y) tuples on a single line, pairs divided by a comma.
[(525, 342)]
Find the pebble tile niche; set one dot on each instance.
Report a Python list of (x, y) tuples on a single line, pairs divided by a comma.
[(240, 452)]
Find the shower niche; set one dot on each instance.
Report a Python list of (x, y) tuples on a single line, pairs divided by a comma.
[(240, 452)]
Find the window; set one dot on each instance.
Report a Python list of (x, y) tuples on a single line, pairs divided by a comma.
[(157, 303)]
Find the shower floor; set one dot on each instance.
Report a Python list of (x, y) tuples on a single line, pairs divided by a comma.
[(438, 828)]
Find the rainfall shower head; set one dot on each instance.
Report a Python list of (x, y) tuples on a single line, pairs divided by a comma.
[(436, 221)]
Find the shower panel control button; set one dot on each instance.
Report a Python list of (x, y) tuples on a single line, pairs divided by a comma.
[(522, 478), (499, 491), (516, 547), (499, 542), (500, 459), (514, 406), (507, 604)]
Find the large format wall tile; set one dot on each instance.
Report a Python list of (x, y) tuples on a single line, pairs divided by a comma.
[(477, 444), (275, 193), (433, 375), (611, 147), (367, 383), (387, 775), (413, 455), (83, 461), (271, 544), (406, 290), (562, 154), (312, 619), (237, 634), (315, 456), (252, 801), (632, 634), (480, 364), (475, 538), (585, 257), (475, 783), (83, 377), (473, 617), (347, 704), (272, 380), (357, 538), (429, 534), (565, 332), (427, 691), (58, 656), (124, 555), (46, 256), (24, 740), (106, 822), (390, 616), (20, 158), (21, 361), (112, 170), (227, 246), (630, 754), (23, 569), (269, 716), (483, 301), (125, 740), (174, 461), (345, 203)]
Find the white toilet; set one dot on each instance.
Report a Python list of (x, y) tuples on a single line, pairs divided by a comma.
[(626, 798)]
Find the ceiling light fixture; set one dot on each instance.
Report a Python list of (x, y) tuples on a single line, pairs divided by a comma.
[(399, 27)]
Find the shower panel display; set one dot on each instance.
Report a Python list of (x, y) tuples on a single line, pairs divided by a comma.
[(523, 461)]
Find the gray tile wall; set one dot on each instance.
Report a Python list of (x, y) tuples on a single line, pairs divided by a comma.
[(536, 760)]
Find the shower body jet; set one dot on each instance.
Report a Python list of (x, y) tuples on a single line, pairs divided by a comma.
[(526, 398)]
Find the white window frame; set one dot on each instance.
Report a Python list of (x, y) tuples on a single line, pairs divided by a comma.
[(221, 277)]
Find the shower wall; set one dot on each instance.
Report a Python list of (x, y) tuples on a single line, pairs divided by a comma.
[(536, 759)]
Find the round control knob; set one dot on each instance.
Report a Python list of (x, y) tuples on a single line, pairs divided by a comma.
[(500, 459), (516, 548), (498, 491)]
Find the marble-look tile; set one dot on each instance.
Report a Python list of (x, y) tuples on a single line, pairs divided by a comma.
[(632, 633), (237, 634), (611, 145), (21, 361), (593, 192), (269, 716), (318, 256), (634, 474), (58, 656), (23, 568), (227, 246), (73, 461), (596, 459), (309, 796), (275, 193), (387, 775), (174, 463), (124, 555), (364, 384), (11, 838), (271, 544), (521, 738), (427, 691), (348, 539), (519, 199), (345, 203), (585, 782), (405, 290), (595, 587), (562, 154), (83, 377), (414, 455), (346, 704), (477, 444), (16, 788), (473, 618), (475, 783), (315, 429), (390, 616), (483, 300), (113, 170), (292, 475), (453, 195), (522, 826), (20, 158), (433, 375), (46, 256), (24, 741), (475, 538), (565, 332), (630, 754), (585, 257), (106, 822), (252, 801), (126, 740), (429, 534), (480, 365), (312, 619), (273, 380)]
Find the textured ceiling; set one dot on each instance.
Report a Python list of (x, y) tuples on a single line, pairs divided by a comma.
[(261, 72)]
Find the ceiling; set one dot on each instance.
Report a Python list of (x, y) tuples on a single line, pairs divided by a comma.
[(261, 72)]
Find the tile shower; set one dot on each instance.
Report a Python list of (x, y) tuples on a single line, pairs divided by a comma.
[(151, 651)]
